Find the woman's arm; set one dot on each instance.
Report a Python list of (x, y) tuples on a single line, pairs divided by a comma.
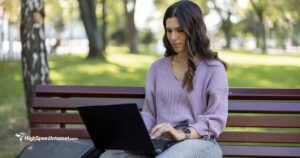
[(213, 121), (149, 112)]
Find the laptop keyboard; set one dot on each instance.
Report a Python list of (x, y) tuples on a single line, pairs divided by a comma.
[(162, 144)]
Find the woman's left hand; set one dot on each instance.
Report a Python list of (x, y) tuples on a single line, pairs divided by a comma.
[(165, 129)]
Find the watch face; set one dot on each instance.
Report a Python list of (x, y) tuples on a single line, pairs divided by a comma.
[(186, 130)]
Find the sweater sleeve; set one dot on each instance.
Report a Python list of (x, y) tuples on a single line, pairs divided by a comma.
[(213, 121), (149, 111)]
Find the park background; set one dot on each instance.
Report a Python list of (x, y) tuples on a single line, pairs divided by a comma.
[(113, 43)]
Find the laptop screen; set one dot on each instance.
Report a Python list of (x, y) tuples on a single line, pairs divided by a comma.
[(118, 126)]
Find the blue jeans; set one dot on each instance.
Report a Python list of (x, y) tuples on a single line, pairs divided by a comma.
[(191, 148)]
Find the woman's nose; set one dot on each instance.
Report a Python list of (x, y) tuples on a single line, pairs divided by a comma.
[(174, 36)]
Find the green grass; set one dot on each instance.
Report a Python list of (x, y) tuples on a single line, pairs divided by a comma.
[(12, 108), (122, 69), (258, 70)]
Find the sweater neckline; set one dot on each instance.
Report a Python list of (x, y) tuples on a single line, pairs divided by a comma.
[(172, 71)]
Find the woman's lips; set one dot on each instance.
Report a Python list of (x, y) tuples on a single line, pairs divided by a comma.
[(176, 45)]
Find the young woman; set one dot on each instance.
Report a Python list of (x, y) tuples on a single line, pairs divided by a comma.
[(187, 90)]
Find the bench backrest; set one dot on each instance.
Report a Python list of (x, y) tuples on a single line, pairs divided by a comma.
[(256, 115)]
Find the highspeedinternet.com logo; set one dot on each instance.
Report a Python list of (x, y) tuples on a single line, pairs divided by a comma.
[(22, 136)]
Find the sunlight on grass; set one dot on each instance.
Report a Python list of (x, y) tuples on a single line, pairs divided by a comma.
[(242, 58), (119, 69), (97, 69), (56, 76), (131, 60)]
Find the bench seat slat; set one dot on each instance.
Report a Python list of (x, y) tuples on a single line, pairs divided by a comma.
[(234, 105), (90, 91), (139, 92), (75, 133), (264, 94), (72, 103), (264, 106), (264, 121), (263, 137), (55, 118), (233, 121), (260, 151)]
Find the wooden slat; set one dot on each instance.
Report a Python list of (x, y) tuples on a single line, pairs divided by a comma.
[(260, 151), (55, 118), (233, 121), (139, 92), (75, 133), (264, 106), (90, 91), (264, 94), (72, 103), (264, 121), (234, 105), (263, 137)]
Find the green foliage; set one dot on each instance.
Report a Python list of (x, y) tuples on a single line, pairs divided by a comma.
[(147, 37), (162, 5), (61, 13), (9, 8), (118, 37)]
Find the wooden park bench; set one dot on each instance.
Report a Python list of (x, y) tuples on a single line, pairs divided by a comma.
[(261, 123)]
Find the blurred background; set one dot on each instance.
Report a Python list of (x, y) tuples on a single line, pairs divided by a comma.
[(113, 42), (267, 26)]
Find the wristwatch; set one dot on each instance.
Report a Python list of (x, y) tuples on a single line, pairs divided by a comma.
[(187, 133)]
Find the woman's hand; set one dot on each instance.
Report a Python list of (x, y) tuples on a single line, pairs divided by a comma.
[(165, 129)]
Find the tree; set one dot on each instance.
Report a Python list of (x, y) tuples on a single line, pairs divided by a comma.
[(88, 16), (104, 24), (162, 5), (260, 9), (225, 10), (132, 32), (34, 53)]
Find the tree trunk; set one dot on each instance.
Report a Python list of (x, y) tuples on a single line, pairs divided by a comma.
[(264, 37), (227, 27), (259, 10), (88, 16), (131, 33), (34, 54), (263, 32), (104, 24)]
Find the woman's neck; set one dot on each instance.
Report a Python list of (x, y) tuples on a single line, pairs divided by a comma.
[(182, 58)]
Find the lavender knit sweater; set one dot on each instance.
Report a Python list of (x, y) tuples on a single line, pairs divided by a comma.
[(205, 108)]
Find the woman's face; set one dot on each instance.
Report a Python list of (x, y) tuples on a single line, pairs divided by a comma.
[(176, 35)]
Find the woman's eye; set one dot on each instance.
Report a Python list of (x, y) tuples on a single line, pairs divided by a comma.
[(168, 30), (180, 30)]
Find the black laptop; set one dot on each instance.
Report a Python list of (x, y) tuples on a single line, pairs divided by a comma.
[(120, 126)]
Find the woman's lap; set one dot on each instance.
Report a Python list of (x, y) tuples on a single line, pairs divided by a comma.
[(191, 148)]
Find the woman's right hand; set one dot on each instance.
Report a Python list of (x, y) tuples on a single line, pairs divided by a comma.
[(165, 129)]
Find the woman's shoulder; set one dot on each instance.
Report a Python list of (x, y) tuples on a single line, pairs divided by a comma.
[(213, 63), (160, 62)]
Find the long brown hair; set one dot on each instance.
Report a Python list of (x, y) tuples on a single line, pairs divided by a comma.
[(191, 21)]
